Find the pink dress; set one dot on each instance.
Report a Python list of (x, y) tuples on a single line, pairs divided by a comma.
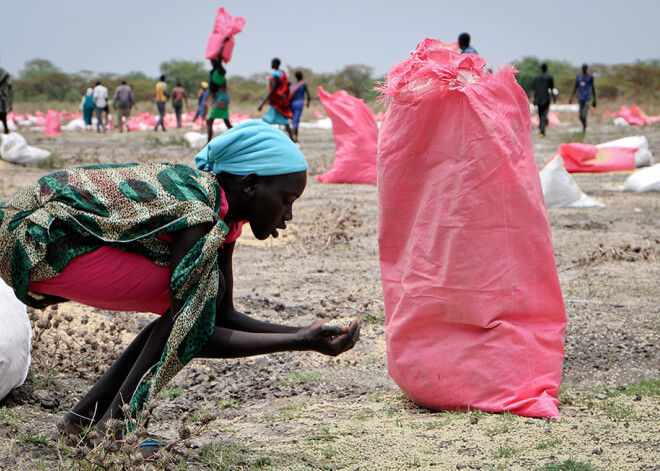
[(115, 280)]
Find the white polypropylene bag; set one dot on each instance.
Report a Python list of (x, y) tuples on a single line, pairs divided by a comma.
[(196, 139), (643, 156), (647, 179), (560, 190), (15, 149), (74, 125), (323, 123), (15, 341)]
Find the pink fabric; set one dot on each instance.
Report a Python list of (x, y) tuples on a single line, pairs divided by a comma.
[(474, 310), (114, 280), (430, 45), (117, 280), (225, 25), (53, 124), (356, 138), (589, 158)]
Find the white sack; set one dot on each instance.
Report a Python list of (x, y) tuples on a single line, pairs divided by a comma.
[(195, 139), (647, 179), (564, 107), (643, 156), (560, 190), (323, 123), (619, 121), (15, 341), (14, 149), (74, 125)]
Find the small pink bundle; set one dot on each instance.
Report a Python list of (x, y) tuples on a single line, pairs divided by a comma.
[(356, 138), (225, 25), (474, 311), (53, 125)]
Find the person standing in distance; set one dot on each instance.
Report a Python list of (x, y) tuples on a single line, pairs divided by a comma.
[(6, 96), (178, 98), (100, 104), (464, 44), (543, 86), (161, 98), (124, 101), (586, 92)]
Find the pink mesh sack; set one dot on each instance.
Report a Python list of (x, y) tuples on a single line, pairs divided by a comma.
[(474, 311), (356, 135), (225, 25)]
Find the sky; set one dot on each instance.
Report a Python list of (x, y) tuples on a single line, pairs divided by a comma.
[(121, 36)]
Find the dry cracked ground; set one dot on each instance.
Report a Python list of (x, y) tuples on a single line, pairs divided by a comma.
[(303, 411)]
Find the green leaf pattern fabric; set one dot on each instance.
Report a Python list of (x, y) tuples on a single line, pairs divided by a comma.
[(72, 212)]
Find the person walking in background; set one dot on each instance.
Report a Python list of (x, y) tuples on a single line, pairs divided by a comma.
[(87, 107), (584, 86), (218, 93), (161, 98), (543, 86), (298, 92), (6, 97), (100, 94), (178, 97), (464, 44), (202, 97), (279, 98), (124, 101)]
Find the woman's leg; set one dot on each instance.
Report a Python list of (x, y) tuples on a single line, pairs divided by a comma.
[(288, 130), (95, 403), (209, 129), (99, 119), (148, 356), (228, 124)]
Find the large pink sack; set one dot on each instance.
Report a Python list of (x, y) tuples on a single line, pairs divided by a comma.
[(474, 311), (356, 138), (53, 125), (580, 157), (225, 25)]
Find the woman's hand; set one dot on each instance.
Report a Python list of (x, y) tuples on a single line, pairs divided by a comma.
[(330, 339)]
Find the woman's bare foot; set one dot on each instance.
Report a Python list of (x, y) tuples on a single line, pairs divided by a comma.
[(72, 425)]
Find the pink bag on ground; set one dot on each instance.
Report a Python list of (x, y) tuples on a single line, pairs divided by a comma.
[(589, 158), (53, 125), (474, 312), (356, 136), (225, 25), (553, 120)]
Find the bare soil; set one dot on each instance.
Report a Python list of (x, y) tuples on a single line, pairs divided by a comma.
[(303, 411)]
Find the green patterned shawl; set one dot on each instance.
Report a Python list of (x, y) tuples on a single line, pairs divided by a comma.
[(71, 212)]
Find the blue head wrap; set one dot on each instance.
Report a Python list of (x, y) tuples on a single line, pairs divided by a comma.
[(253, 146)]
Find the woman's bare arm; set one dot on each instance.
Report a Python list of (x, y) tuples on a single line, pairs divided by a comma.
[(226, 315)]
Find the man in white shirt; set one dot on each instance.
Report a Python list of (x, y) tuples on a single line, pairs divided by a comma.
[(100, 104)]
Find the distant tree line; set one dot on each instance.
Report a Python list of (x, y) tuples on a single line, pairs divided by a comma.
[(41, 80)]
